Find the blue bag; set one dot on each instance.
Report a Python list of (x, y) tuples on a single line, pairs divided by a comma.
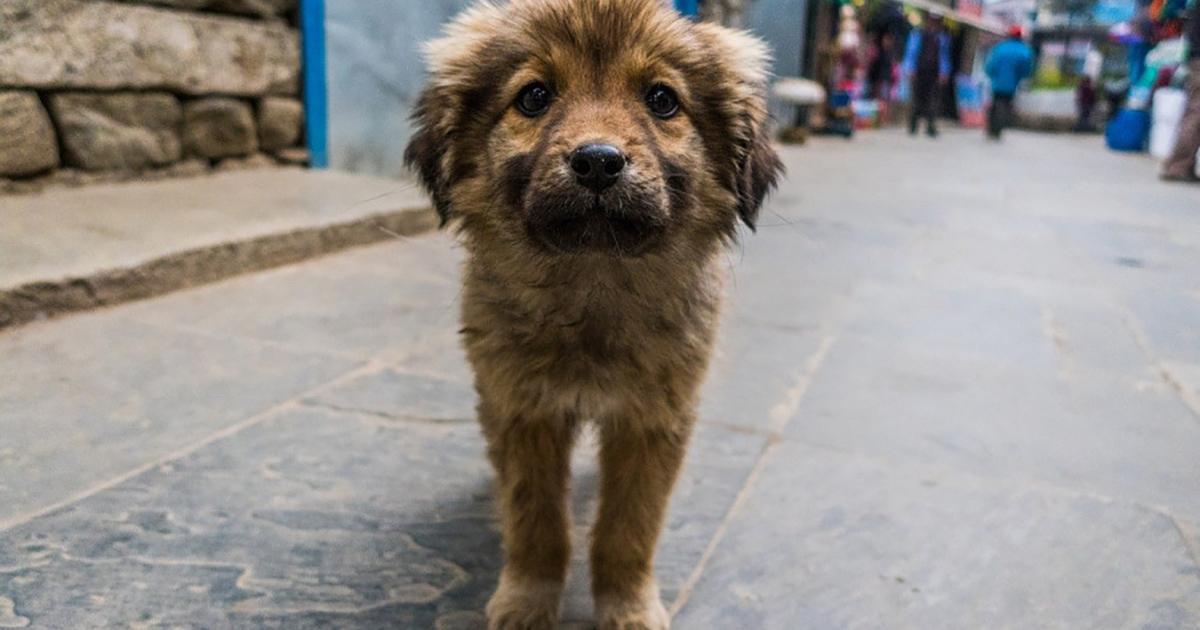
[(1128, 130)]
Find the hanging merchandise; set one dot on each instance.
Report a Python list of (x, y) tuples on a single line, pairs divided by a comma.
[(1167, 16), (971, 107)]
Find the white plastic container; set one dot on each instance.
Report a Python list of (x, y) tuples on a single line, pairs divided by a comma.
[(799, 91), (1164, 127)]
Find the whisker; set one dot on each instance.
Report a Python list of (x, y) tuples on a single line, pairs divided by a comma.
[(616, 241), (403, 188), (394, 234), (785, 220)]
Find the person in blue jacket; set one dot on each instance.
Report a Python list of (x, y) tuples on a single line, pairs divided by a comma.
[(927, 66), (1009, 63)]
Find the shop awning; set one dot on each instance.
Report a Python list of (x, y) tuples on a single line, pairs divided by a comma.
[(942, 10)]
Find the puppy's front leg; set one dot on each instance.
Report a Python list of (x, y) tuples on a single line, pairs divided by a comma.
[(531, 455), (638, 468)]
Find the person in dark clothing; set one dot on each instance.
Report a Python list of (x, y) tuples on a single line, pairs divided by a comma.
[(879, 72), (1181, 164), (927, 64), (1009, 63), (1085, 104)]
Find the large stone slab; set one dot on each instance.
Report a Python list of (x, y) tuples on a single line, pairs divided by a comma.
[(319, 519), (118, 131), (309, 520), (105, 45), (962, 318), (831, 541), (125, 393), (27, 141), (1116, 434), (369, 303)]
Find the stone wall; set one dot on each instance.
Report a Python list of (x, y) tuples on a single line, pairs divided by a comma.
[(97, 90)]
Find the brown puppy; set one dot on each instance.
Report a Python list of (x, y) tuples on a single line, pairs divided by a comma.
[(595, 156)]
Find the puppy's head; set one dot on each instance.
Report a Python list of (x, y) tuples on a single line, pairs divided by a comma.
[(611, 126)]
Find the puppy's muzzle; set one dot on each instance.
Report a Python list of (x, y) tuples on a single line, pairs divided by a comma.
[(596, 204)]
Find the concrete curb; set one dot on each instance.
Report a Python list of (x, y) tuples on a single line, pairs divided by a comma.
[(40, 300)]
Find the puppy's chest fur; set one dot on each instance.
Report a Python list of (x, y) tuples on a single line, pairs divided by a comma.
[(591, 338)]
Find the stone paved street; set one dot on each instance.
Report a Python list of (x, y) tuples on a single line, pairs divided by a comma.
[(958, 386)]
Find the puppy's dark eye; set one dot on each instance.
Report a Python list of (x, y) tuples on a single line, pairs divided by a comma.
[(534, 99), (662, 101)]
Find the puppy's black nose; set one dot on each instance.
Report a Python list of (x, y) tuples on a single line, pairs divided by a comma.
[(597, 166)]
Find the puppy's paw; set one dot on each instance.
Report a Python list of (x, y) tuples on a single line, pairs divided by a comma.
[(642, 612), (518, 605)]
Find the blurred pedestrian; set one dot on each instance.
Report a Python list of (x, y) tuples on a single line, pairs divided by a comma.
[(1009, 63), (1085, 103), (879, 71), (927, 65), (1181, 164)]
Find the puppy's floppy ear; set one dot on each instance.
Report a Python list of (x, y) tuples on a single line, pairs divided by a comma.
[(426, 152), (458, 65), (758, 173), (735, 79)]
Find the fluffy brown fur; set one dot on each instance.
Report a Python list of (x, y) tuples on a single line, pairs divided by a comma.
[(581, 305)]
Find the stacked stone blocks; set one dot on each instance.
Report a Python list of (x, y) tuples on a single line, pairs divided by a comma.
[(112, 89)]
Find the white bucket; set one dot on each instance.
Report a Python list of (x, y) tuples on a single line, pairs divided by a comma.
[(799, 91), (1168, 111)]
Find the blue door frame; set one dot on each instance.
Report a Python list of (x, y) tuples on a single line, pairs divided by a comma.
[(688, 7), (316, 99)]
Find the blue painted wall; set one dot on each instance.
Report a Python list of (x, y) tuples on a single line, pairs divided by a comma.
[(781, 23), (374, 70)]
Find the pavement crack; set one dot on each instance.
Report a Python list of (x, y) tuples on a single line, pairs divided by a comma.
[(783, 411), (1190, 538), (1053, 330), (781, 415), (380, 415), (689, 585), (1186, 397), (738, 428)]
